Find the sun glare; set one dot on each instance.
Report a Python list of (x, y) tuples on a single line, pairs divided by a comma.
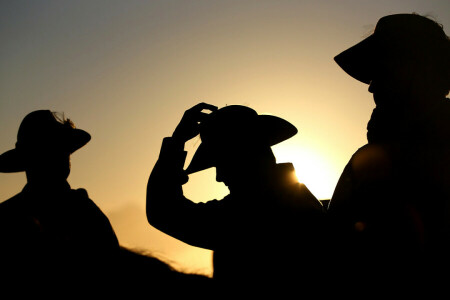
[(311, 169)]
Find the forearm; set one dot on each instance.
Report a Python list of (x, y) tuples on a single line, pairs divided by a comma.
[(167, 208), (164, 188)]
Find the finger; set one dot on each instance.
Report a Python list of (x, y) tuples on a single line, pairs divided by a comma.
[(203, 106)]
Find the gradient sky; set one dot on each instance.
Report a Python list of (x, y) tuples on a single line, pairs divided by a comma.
[(125, 71)]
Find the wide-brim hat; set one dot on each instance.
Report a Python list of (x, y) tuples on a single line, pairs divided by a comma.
[(40, 132), (236, 126), (394, 37)]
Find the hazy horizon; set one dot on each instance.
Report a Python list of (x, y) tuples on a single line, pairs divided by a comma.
[(125, 71)]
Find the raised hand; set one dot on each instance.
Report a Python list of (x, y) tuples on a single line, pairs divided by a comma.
[(190, 123)]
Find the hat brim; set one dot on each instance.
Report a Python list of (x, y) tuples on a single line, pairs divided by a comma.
[(12, 161), (273, 129), (358, 60), (78, 139)]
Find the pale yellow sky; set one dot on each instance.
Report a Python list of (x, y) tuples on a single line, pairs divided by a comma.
[(125, 71)]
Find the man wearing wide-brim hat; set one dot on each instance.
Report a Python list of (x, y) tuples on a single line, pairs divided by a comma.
[(49, 231), (266, 233), (391, 206)]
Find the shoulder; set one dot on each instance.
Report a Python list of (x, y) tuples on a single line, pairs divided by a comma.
[(446, 106), (373, 161), (80, 193), (443, 116), (11, 202), (81, 199), (11, 210), (299, 197)]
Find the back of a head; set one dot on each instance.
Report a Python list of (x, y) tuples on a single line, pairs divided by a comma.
[(422, 43)]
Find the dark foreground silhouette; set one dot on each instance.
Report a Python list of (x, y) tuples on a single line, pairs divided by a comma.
[(267, 233), (388, 223), (129, 273), (138, 273), (49, 224), (391, 207), (56, 242)]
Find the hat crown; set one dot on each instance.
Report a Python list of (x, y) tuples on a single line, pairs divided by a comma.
[(42, 129), (400, 39), (37, 126), (409, 26), (231, 121), (411, 36), (41, 133)]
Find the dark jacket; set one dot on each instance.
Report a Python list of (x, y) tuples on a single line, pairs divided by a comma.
[(391, 207), (59, 230), (268, 232)]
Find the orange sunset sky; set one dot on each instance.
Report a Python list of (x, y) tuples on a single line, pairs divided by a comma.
[(125, 71)]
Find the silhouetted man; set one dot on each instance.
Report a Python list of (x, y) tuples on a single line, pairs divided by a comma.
[(49, 231), (266, 233), (391, 206)]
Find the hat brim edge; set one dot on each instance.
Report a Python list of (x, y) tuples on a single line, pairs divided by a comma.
[(277, 129), (357, 61), (11, 161)]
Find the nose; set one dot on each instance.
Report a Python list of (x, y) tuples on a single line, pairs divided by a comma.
[(371, 86), (218, 177), (225, 175), (219, 174)]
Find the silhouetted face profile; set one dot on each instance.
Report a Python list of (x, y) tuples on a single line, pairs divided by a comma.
[(244, 166), (391, 85), (407, 56), (406, 62)]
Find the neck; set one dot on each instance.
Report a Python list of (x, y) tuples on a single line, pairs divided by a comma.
[(391, 121), (420, 106), (45, 183), (272, 177)]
